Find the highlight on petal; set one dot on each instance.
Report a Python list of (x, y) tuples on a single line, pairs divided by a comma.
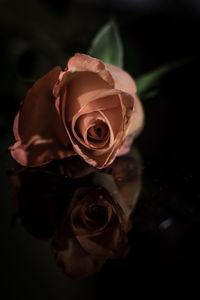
[(40, 134)]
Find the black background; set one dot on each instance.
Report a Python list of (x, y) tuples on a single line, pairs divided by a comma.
[(35, 36)]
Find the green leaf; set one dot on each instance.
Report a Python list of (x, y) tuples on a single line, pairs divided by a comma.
[(145, 83), (150, 94), (107, 45)]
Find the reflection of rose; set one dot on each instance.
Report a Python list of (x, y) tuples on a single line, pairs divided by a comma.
[(95, 225), (100, 224), (84, 211), (98, 227), (91, 109)]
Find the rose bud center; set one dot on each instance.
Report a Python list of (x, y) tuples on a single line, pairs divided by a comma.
[(98, 131)]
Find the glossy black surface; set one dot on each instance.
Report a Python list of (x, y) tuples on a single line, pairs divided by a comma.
[(83, 212), (38, 35)]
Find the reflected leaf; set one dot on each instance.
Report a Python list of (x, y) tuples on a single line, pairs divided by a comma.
[(85, 212)]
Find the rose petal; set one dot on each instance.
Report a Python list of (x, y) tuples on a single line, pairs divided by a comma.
[(98, 131), (104, 99), (41, 137), (83, 62), (122, 80), (135, 127), (81, 90), (85, 125), (114, 115)]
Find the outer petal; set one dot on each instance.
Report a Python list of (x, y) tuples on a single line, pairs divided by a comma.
[(40, 134), (124, 82), (83, 62), (135, 127)]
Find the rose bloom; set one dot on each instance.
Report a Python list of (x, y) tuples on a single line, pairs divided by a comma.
[(91, 109)]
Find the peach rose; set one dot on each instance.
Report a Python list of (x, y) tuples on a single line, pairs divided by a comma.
[(91, 109)]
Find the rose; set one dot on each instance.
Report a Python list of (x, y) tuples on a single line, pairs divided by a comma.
[(91, 109)]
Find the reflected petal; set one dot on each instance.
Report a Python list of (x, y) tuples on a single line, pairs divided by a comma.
[(75, 262)]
